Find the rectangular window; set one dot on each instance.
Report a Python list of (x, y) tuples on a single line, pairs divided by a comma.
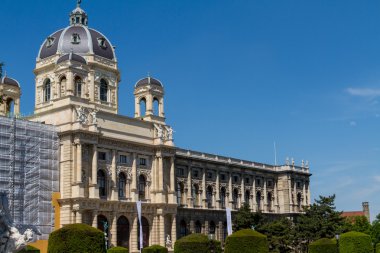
[(247, 180), (123, 159), (195, 173), (258, 182), (142, 161), (180, 171), (209, 175), (102, 156), (236, 179), (269, 183), (223, 177)]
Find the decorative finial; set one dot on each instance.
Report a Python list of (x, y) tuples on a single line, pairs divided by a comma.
[(79, 2)]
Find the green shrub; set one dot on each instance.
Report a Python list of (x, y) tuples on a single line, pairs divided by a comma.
[(117, 250), (323, 245), (378, 248), (198, 243), (155, 249), (77, 238), (355, 242), (29, 249), (216, 246), (246, 241)]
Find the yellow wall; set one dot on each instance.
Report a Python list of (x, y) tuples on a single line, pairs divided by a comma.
[(42, 245)]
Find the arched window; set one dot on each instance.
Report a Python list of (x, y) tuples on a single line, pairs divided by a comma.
[(62, 86), (180, 193), (223, 197), (195, 194), (47, 90), (156, 107), (299, 200), (145, 232), (269, 201), (258, 200), (198, 227), (102, 184), (142, 105), (235, 198), (247, 197), (211, 228), (225, 232), (103, 90), (142, 183), (103, 224), (209, 196), (121, 185), (9, 106), (123, 232), (78, 86), (182, 229)]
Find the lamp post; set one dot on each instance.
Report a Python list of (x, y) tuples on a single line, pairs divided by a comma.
[(337, 240)]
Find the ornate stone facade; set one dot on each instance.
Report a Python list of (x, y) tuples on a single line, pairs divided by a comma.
[(109, 161)]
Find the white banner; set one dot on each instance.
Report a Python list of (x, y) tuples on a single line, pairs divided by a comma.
[(138, 204), (229, 222)]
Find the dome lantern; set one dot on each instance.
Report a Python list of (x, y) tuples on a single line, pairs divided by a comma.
[(78, 16)]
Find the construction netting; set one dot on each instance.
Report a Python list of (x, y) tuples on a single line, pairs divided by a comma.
[(29, 172)]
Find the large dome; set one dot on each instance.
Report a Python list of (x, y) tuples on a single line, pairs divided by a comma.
[(78, 39)]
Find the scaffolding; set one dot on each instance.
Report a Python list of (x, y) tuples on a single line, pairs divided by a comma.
[(29, 172)]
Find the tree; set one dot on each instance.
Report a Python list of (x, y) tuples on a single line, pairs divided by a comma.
[(279, 234), (320, 220), (244, 218), (375, 231), (356, 223), (1, 69)]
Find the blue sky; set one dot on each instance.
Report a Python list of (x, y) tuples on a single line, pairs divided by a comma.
[(240, 75)]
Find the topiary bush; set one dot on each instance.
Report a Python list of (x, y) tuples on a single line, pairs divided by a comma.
[(246, 241), (117, 250), (77, 238), (155, 249), (29, 249), (323, 245), (355, 242), (198, 243)]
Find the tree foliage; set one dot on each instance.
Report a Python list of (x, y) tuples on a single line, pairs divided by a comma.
[(244, 218), (279, 234)]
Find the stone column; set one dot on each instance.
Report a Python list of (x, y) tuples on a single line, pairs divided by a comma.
[(137, 107), (308, 193), (93, 184), (204, 200), (161, 108), (149, 105), (134, 178), (113, 230), (160, 185), (79, 163), (161, 231), (174, 229), (114, 177), (242, 198), (17, 106), (253, 194), (192, 228), (290, 194), (217, 190), (70, 83), (230, 199), (276, 196), (133, 236), (304, 193), (265, 194), (95, 219), (172, 181), (190, 202), (78, 216)]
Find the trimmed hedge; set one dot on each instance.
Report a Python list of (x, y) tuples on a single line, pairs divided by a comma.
[(323, 245), (246, 241), (155, 249), (355, 242), (378, 248), (196, 243), (117, 250), (77, 238), (29, 249)]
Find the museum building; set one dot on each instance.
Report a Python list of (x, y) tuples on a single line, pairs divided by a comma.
[(108, 161)]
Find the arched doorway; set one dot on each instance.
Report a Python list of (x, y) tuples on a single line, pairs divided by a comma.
[(103, 225), (123, 232), (145, 232), (198, 227), (182, 229)]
